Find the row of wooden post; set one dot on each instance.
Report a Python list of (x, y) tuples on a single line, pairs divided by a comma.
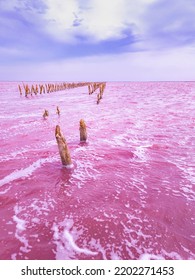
[(27, 89), (62, 144), (52, 87), (94, 86)]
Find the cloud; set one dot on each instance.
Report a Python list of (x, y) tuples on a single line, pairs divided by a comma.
[(60, 18), (169, 24), (150, 22), (95, 20), (139, 32), (104, 20), (60, 29), (20, 35)]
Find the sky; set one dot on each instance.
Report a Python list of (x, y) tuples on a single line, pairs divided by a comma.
[(97, 40)]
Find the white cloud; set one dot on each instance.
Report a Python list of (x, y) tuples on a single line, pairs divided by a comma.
[(95, 20), (98, 19), (60, 17), (169, 24), (105, 19)]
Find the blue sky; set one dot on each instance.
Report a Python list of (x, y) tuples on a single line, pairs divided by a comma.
[(112, 40)]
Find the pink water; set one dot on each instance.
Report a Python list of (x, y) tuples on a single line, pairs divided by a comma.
[(131, 191)]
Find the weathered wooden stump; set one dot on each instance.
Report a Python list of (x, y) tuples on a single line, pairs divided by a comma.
[(45, 114), (27, 90), (83, 131), (63, 147)]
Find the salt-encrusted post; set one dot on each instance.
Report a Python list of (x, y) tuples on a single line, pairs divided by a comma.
[(83, 131), (63, 147)]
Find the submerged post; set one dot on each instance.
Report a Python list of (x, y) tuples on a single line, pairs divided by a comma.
[(58, 111), (45, 114), (83, 131), (63, 147)]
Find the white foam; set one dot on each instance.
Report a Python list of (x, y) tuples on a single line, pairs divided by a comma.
[(114, 256), (20, 227), (6, 190), (98, 219), (172, 255), (69, 166), (70, 239), (82, 148), (119, 140), (20, 224), (56, 232), (18, 153), (25, 172), (188, 171), (140, 152), (96, 244), (65, 237), (188, 251), (83, 171), (35, 220), (150, 257), (13, 256)]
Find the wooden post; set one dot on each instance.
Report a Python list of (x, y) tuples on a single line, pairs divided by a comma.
[(89, 89), (20, 89), (83, 131), (63, 147), (101, 91), (32, 90), (45, 114), (58, 111), (27, 90), (36, 89), (98, 98)]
